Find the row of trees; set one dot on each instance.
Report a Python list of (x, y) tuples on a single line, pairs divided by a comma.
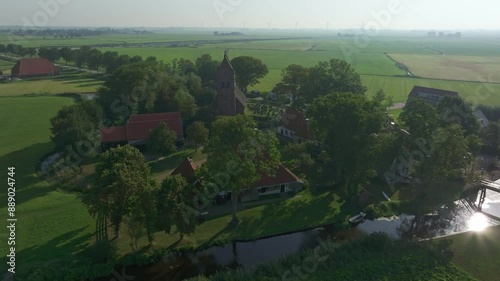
[(18, 50)]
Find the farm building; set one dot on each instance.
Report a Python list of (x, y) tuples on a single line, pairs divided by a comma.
[(294, 126), (34, 67), (138, 127), (284, 181), (431, 95), (230, 99)]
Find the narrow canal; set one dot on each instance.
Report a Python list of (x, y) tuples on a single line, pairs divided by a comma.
[(455, 218)]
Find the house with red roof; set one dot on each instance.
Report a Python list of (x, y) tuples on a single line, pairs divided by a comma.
[(283, 181), (294, 126), (34, 67), (136, 131)]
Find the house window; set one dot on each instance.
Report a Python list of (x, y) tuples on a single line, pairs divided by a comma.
[(281, 131), (228, 85), (282, 188), (263, 190), (222, 85)]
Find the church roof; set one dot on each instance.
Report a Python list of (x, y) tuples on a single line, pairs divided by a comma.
[(226, 62)]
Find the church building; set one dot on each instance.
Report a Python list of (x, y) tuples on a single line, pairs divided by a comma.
[(230, 99)]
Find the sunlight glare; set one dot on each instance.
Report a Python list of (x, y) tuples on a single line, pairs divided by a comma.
[(478, 222)]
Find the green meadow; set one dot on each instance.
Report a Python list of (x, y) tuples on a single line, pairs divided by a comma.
[(70, 82)]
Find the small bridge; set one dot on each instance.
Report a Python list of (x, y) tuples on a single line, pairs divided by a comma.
[(480, 188)]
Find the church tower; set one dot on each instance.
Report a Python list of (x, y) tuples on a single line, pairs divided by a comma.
[(230, 99)]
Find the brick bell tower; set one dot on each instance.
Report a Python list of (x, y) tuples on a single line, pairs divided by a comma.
[(230, 99)]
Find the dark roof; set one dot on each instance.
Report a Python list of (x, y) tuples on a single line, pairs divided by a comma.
[(282, 176), (139, 127), (186, 169), (226, 63), (240, 97), (438, 92), (34, 67), (296, 121)]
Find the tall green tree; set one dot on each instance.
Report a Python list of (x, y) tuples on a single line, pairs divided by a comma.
[(248, 71), (67, 54), (121, 176), (161, 141), (173, 197), (491, 137), (206, 68), (76, 125), (347, 123), (198, 133), (421, 118), (239, 153), (94, 60), (455, 110)]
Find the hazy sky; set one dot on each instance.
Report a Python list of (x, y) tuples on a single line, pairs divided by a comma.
[(397, 14)]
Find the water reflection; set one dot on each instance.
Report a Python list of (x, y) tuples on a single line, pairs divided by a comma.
[(453, 218)]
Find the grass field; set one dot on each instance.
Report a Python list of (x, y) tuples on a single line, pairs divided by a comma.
[(477, 253), (466, 68), (72, 82), (51, 224)]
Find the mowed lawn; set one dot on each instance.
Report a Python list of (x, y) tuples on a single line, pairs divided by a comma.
[(465, 68), (478, 253), (66, 83), (51, 224)]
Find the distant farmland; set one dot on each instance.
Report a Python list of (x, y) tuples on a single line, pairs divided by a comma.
[(466, 68)]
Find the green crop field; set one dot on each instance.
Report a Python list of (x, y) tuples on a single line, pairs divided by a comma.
[(70, 83), (466, 68), (51, 224)]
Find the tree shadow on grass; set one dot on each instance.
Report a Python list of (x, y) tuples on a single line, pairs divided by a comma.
[(91, 84), (26, 179), (288, 216), (65, 246)]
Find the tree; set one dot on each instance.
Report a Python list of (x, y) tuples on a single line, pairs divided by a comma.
[(457, 110), (347, 123), (206, 68), (491, 137), (109, 60), (136, 59), (334, 76), (197, 133), (185, 103), (94, 60), (447, 157), (121, 176), (248, 71), (174, 198), (76, 125), (161, 141), (184, 67), (239, 153), (3, 48), (67, 54), (420, 118), (293, 77)]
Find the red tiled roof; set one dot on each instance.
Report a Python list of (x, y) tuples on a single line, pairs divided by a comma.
[(113, 134), (296, 121), (186, 169), (418, 89), (139, 127), (34, 67), (282, 175)]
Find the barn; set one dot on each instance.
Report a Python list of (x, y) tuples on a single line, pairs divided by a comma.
[(34, 67)]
